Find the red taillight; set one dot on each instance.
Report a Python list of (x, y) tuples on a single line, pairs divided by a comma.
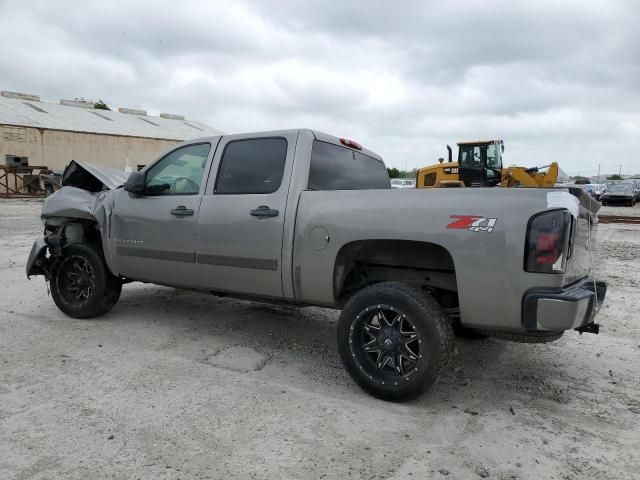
[(350, 143), (547, 242), (547, 246)]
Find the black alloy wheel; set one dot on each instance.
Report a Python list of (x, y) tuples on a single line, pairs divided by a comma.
[(385, 343), (77, 280), (394, 340), (81, 284)]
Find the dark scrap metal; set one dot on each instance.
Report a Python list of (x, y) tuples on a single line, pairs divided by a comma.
[(21, 181)]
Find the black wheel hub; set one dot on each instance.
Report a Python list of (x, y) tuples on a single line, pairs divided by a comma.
[(77, 280), (389, 339), (385, 344)]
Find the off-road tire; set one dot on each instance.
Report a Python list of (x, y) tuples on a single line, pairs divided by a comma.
[(106, 287), (428, 320)]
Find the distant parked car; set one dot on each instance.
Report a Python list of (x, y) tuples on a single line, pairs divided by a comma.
[(596, 190), (403, 183), (620, 194), (635, 185)]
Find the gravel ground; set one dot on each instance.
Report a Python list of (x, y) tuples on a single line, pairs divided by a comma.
[(621, 211), (174, 384)]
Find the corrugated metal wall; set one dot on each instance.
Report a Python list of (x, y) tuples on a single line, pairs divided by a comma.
[(56, 148)]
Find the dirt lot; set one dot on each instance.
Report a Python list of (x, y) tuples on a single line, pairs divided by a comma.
[(621, 211), (180, 385)]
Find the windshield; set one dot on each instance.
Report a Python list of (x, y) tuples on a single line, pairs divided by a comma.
[(619, 188), (395, 181)]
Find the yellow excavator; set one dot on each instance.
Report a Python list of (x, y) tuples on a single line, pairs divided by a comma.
[(480, 165)]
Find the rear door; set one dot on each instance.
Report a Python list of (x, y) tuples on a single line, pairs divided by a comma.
[(153, 234), (241, 222)]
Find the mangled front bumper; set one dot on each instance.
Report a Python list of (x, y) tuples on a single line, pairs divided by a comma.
[(37, 260)]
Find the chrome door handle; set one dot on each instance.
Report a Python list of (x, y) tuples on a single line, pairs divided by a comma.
[(263, 211), (182, 211)]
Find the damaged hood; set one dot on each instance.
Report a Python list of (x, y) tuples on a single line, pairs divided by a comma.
[(87, 192), (93, 178), (73, 202)]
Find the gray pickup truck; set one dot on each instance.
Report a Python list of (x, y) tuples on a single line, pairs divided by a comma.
[(303, 217)]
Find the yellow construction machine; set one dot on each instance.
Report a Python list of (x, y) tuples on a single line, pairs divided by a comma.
[(480, 165)]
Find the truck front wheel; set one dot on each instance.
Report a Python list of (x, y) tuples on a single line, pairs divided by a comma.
[(81, 284), (394, 340)]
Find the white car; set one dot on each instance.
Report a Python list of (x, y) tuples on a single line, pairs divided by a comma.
[(402, 183)]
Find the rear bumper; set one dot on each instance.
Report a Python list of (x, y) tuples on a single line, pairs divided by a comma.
[(566, 309)]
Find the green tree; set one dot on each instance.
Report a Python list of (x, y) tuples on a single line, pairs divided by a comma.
[(393, 172), (615, 177), (100, 105)]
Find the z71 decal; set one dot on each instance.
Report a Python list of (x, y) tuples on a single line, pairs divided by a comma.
[(473, 223)]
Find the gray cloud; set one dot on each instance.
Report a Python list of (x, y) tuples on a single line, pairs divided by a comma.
[(556, 80)]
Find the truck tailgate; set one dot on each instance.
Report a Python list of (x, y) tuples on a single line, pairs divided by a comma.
[(583, 237)]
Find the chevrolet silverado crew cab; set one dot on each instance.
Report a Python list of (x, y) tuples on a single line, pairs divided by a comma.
[(304, 217)]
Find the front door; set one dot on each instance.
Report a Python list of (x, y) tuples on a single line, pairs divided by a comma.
[(153, 234), (241, 223), (472, 161)]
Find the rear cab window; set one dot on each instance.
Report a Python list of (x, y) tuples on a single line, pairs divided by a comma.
[(334, 167)]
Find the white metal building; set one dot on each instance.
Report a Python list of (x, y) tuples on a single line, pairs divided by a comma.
[(53, 134)]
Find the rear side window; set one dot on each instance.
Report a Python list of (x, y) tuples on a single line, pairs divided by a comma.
[(338, 168), (254, 165)]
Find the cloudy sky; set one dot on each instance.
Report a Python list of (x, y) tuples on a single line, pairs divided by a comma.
[(556, 80)]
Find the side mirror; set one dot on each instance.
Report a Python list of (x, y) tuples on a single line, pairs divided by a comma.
[(135, 183)]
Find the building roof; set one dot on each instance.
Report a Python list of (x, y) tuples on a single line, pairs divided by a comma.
[(28, 111)]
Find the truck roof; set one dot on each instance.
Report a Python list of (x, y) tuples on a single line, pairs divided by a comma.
[(318, 135)]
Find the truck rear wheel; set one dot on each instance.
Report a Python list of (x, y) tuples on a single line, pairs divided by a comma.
[(394, 340), (81, 284)]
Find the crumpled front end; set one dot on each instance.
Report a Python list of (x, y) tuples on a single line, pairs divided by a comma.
[(78, 212), (37, 262)]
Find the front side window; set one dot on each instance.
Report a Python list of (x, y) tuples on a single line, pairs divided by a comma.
[(250, 166), (470, 156), (339, 168), (180, 172)]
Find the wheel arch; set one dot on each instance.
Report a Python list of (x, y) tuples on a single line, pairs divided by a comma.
[(61, 232), (365, 262)]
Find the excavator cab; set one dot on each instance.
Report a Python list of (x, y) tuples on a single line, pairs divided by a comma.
[(480, 163)]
